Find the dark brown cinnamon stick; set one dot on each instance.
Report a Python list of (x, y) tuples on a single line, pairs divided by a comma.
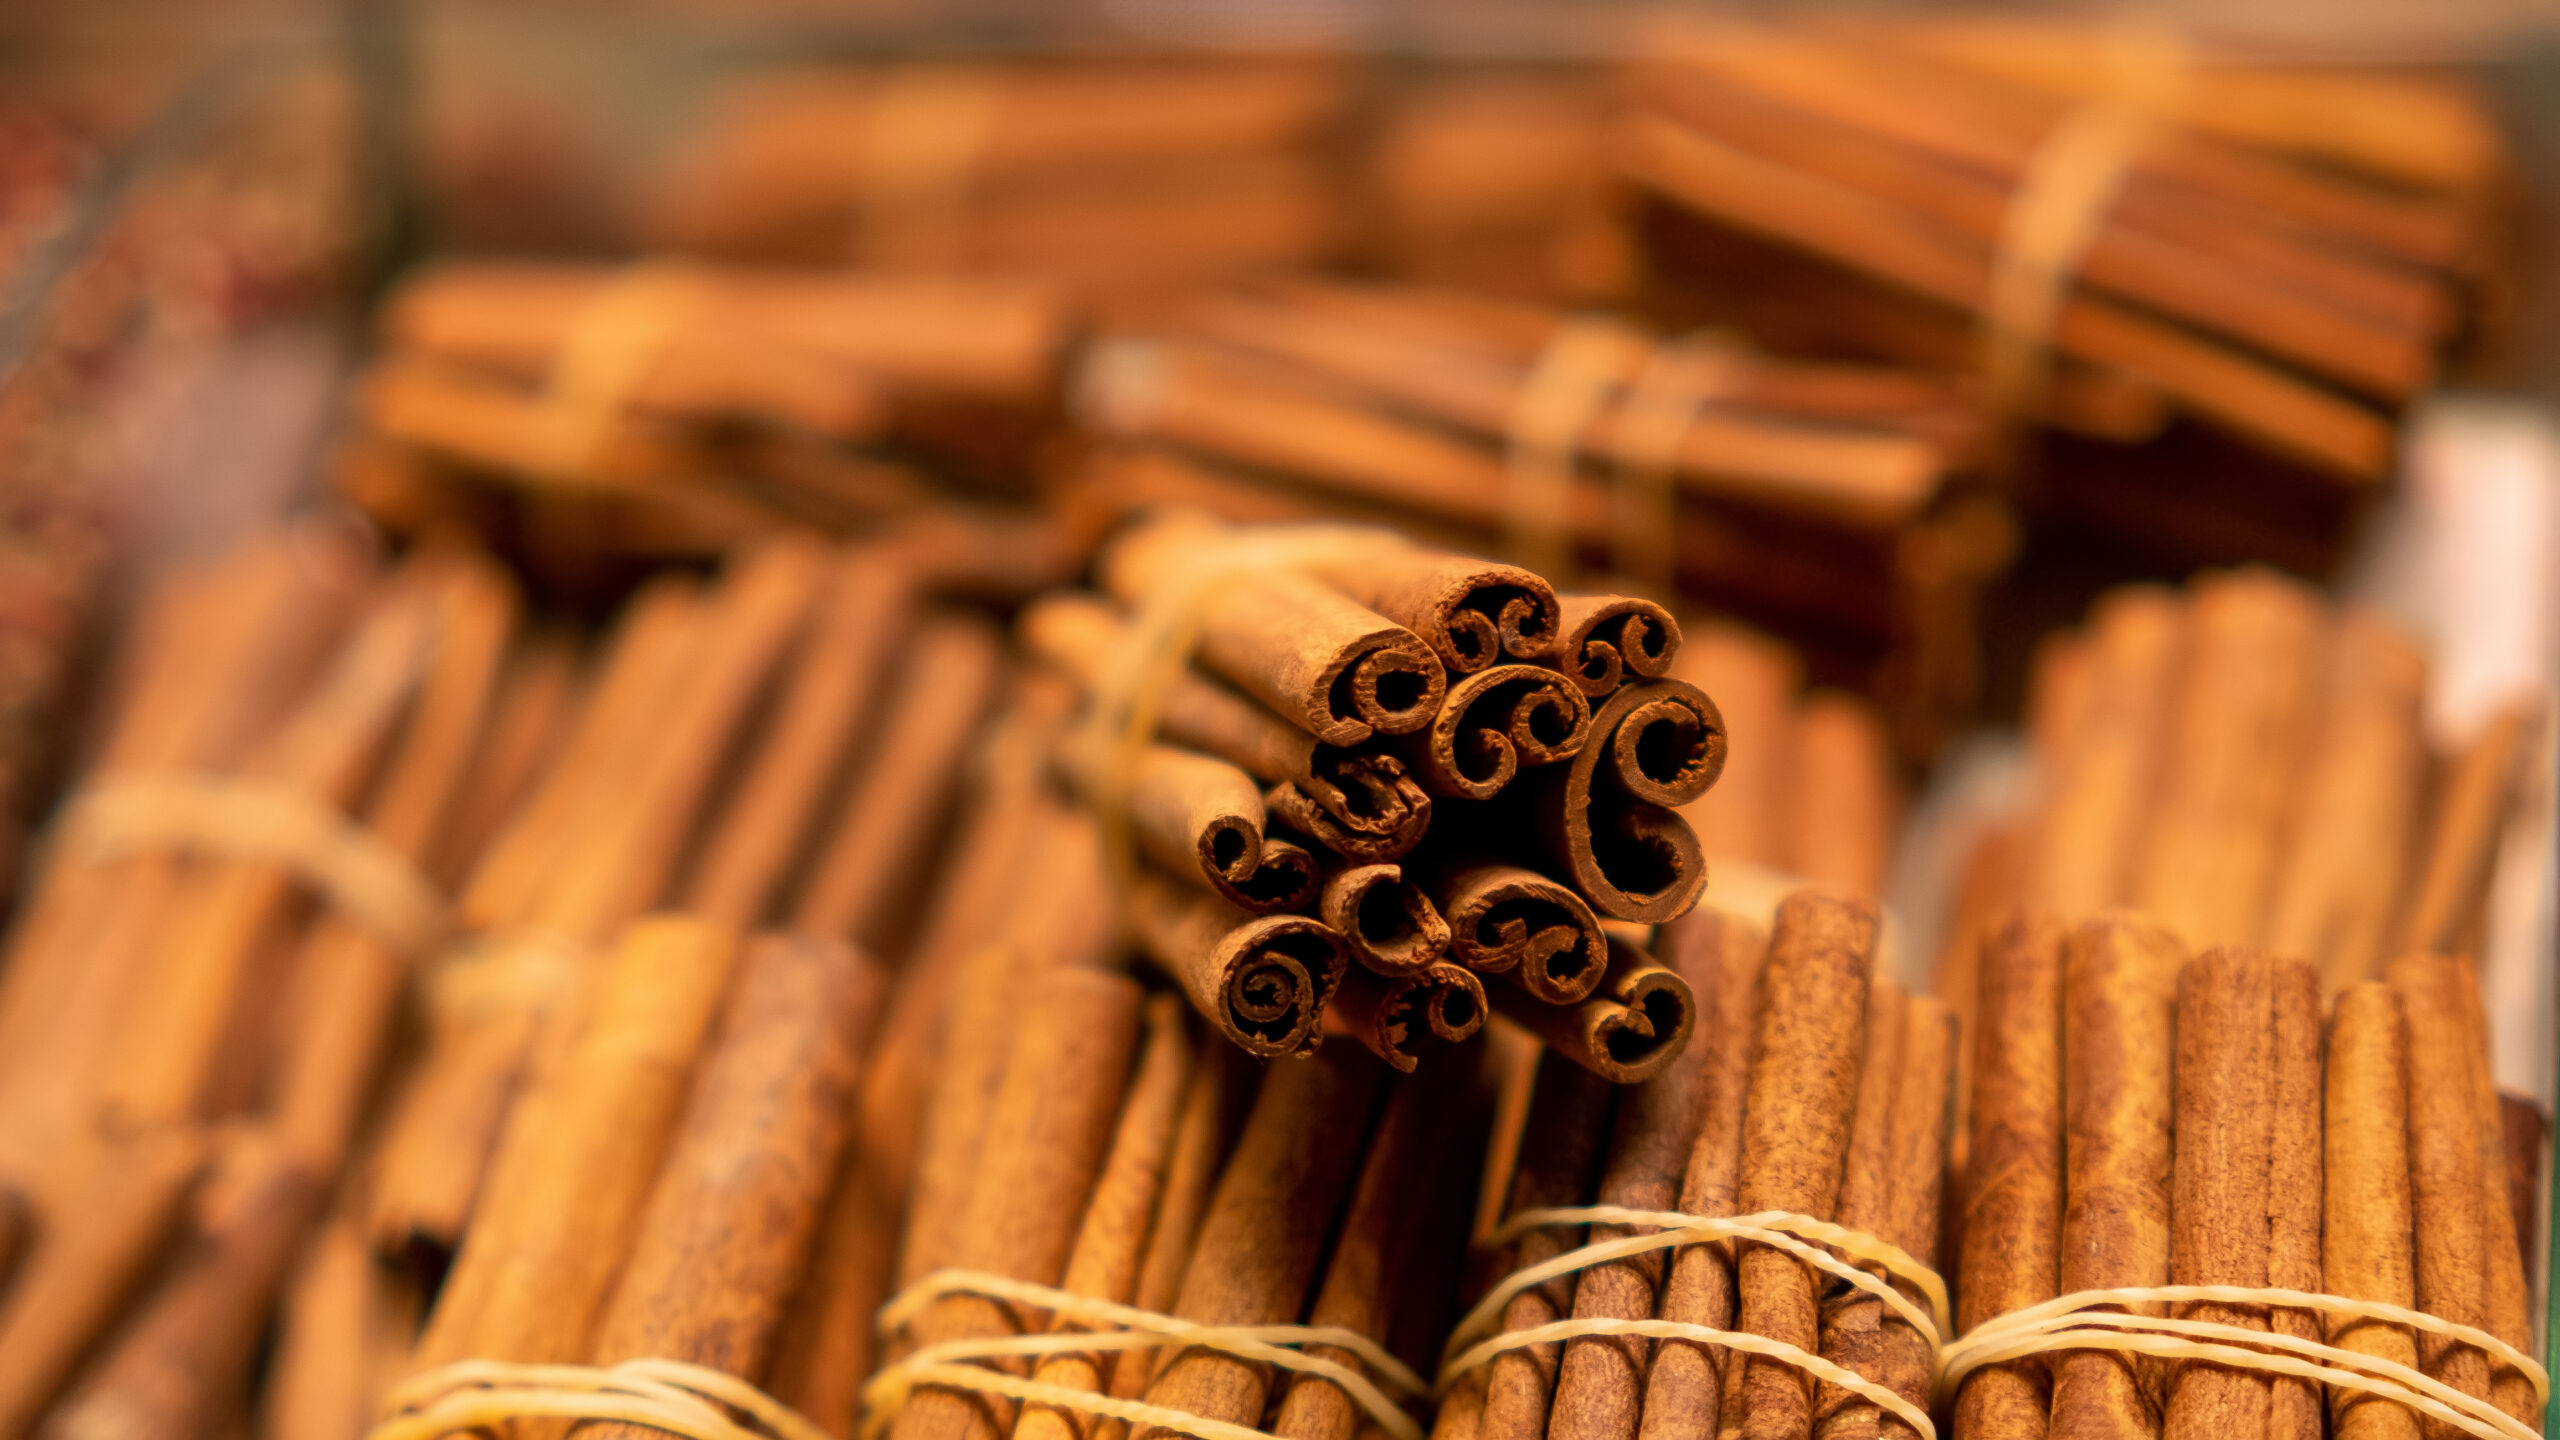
[(1264, 982), (1629, 855), (1605, 640), (1633, 1025), (1504, 920), (1389, 925), (1494, 723), (1472, 613), (1392, 1014)]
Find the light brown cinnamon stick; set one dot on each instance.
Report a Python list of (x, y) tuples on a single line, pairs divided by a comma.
[(2013, 1192), (2447, 1192), (2365, 1242)]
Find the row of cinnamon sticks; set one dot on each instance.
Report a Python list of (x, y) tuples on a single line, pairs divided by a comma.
[(2142, 1118)]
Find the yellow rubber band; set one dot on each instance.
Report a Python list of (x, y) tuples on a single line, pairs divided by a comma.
[(1676, 383), (1585, 360), (670, 1396)]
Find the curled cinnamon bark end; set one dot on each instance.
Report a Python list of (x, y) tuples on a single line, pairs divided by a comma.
[(1263, 981), (1389, 925), (1472, 613), (1628, 1030), (1632, 857), (1393, 687), (1283, 877), (1294, 809), (1497, 721), (1504, 920), (1367, 793), (1390, 1014), (1668, 747), (1604, 640)]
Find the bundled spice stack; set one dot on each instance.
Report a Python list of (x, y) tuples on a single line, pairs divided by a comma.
[(668, 407), (2221, 1133), (1398, 783), (2138, 231), (1111, 174), (1824, 499)]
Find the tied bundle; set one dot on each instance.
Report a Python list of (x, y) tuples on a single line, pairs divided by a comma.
[(1398, 783), (2112, 228), (1098, 174), (668, 407), (1832, 499)]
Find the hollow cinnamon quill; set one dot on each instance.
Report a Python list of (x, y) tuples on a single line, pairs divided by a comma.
[(2014, 1192)]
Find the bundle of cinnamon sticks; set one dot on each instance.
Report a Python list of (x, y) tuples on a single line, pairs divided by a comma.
[(670, 407), (1110, 174), (1398, 784), (1825, 500), (2220, 1133), (2283, 252)]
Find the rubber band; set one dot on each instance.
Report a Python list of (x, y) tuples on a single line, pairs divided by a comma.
[(1677, 382), (1127, 699), (920, 151), (611, 345), (1128, 1328), (670, 1396), (361, 874), (505, 971), (2062, 197), (1585, 361)]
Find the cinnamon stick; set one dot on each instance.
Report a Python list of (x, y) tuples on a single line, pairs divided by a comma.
[(1049, 1129), (1504, 920), (1660, 744), (978, 1033), (1600, 1382), (726, 1231), (1604, 640), (1845, 812), (1262, 1240), (2507, 1297), (2450, 883), (572, 1170), (1684, 1387), (1320, 660), (1201, 819), (1385, 920), (2100, 775), (2119, 1017), (1632, 1026), (1494, 723), (1472, 613), (1804, 1082), (1390, 1014), (2448, 1197), (1111, 1243), (2365, 1243), (2013, 1200), (1264, 982), (2245, 1209)]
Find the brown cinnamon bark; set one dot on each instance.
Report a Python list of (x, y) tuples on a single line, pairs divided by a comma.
[(2246, 1202), (1262, 1241), (2235, 742), (2099, 774), (1600, 1382), (344, 1333), (1389, 925), (1632, 1026), (1559, 1156), (1300, 811), (1264, 982), (1392, 1015), (73, 1285), (1380, 1275), (1111, 1243), (727, 1230), (2507, 1295), (978, 1032), (859, 619), (1659, 743), (2450, 882), (1603, 641), (2448, 1199), (2014, 1184), (1365, 793), (186, 1353), (2365, 1243), (1495, 722), (1504, 920), (1684, 1388), (1201, 819), (2119, 1017), (2526, 1131), (1049, 1129), (2352, 833), (574, 1166), (1472, 613), (904, 784), (1851, 1321), (1325, 663), (1845, 811), (1804, 1082)]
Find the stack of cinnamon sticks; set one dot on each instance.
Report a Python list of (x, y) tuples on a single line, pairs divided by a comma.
[(1108, 174), (2282, 252), (671, 407), (2220, 1134), (1823, 500), (1397, 784)]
